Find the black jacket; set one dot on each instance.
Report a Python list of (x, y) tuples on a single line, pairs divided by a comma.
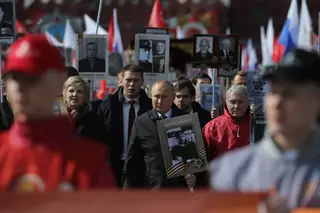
[(6, 115), (110, 110), (91, 126), (204, 115), (144, 166)]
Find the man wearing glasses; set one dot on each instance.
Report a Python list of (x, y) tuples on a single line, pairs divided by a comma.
[(185, 101)]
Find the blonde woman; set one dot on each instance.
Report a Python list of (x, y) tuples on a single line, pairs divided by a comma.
[(76, 100)]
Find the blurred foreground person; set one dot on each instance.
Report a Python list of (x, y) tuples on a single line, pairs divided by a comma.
[(40, 152), (288, 157), (232, 129), (76, 98)]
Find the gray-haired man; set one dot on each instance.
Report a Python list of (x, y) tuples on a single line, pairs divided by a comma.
[(288, 157)]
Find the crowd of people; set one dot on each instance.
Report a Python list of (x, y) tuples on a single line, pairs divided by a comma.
[(73, 143)]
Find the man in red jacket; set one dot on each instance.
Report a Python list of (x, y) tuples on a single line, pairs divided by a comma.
[(40, 151), (232, 129)]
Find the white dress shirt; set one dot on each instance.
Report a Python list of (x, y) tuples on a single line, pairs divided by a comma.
[(125, 111), (168, 114)]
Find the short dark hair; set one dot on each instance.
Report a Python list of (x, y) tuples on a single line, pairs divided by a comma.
[(239, 73), (200, 76), (132, 68), (185, 83), (71, 71), (91, 42)]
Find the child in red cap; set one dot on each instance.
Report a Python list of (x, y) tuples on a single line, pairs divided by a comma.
[(40, 152)]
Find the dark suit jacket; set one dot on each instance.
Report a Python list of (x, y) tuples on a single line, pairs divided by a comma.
[(144, 166), (111, 111), (231, 53), (204, 115), (198, 56), (99, 65)]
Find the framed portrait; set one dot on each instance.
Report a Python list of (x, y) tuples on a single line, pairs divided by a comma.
[(7, 21), (157, 31), (203, 51), (92, 57), (228, 55), (152, 54), (182, 145)]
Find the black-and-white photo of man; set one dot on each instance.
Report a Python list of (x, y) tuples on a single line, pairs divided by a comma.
[(115, 64), (158, 48), (158, 64), (145, 55), (203, 49), (226, 50), (92, 63), (6, 19)]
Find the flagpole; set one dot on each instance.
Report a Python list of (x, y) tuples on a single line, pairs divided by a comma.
[(99, 15)]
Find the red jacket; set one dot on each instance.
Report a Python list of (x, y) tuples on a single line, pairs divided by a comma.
[(224, 133), (47, 155)]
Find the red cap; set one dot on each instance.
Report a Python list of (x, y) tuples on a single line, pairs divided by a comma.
[(33, 55)]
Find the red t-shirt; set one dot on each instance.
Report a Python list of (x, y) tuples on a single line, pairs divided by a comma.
[(46, 155)]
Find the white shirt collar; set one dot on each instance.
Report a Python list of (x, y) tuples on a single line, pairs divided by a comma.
[(167, 114), (126, 100)]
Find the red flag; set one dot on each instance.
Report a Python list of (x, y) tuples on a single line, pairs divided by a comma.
[(156, 18), (101, 93), (111, 35), (278, 50), (20, 28)]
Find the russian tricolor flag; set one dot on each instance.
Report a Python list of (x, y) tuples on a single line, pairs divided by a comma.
[(289, 35), (114, 35)]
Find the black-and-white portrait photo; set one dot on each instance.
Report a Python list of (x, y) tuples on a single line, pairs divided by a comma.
[(204, 49), (92, 55), (182, 144), (159, 64), (158, 48), (115, 64), (152, 53), (227, 51), (145, 55), (7, 18)]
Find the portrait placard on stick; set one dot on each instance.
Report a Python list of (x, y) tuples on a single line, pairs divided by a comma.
[(203, 51), (228, 55), (92, 56), (152, 53), (7, 21), (182, 145)]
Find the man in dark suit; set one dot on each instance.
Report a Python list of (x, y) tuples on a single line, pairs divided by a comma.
[(226, 54), (144, 166), (6, 27), (144, 55), (119, 110), (203, 54), (92, 63)]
